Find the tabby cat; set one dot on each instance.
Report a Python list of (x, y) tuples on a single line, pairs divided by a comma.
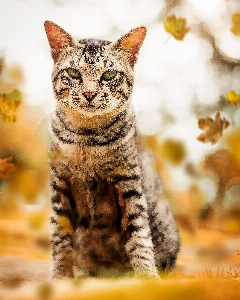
[(106, 213)]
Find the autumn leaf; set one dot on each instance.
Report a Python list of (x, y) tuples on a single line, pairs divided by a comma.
[(233, 97), (8, 105), (173, 151), (176, 27), (212, 129), (6, 167), (235, 29)]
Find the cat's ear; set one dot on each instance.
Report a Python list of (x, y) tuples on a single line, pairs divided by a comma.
[(131, 42), (58, 39)]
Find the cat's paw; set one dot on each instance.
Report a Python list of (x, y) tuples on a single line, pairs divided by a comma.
[(79, 273)]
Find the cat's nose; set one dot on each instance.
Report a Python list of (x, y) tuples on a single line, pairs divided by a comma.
[(89, 96)]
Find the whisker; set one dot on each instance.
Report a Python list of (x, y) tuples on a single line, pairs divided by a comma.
[(30, 113), (35, 127)]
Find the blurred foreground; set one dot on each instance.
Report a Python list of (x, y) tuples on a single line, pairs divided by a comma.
[(208, 266)]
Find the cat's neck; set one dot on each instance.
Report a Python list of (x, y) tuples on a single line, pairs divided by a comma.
[(78, 122), (115, 129)]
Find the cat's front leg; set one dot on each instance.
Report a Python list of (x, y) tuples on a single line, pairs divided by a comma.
[(62, 232), (139, 244)]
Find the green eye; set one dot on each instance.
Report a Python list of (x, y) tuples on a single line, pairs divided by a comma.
[(109, 75), (74, 73)]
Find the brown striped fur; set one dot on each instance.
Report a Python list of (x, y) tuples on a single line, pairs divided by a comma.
[(106, 211)]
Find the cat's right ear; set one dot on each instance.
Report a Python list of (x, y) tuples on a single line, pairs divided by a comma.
[(58, 39), (131, 42)]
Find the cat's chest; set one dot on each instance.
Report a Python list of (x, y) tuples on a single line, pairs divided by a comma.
[(86, 159), (108, 161)]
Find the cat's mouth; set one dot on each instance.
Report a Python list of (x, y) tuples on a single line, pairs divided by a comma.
[(90, 106)]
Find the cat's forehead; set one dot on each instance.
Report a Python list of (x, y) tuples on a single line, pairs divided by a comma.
[(90, 53), (93, 56), (94, 43), (94, 50)]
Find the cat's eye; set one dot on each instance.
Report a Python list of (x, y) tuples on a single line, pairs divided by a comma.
[(74, 73), (108, 75)]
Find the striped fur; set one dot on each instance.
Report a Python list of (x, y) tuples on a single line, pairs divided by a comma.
[(106, 213)]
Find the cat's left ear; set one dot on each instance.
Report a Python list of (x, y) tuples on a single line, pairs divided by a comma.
[(131, 42)]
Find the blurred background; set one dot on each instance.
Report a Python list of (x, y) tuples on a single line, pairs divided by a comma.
[(180, 87)]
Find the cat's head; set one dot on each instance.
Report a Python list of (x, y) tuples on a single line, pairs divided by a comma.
[(93, 77)]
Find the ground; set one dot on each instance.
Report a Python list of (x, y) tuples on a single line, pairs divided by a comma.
[(208, 267)]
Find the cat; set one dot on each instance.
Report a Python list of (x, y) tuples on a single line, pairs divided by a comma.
[(106, 214)]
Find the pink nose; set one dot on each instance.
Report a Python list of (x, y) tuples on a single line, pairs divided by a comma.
[(89, 95)]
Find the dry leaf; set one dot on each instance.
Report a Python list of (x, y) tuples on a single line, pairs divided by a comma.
[(212, 129), (8, 105), (233, 97), (236, 24), (173, 151), (6, 167), (176, 27)]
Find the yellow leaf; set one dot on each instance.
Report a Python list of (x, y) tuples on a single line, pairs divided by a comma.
[(212, 129), (236, 24), (233, 97), (176, 27), (8, 105), (6, 167), (173, 151)]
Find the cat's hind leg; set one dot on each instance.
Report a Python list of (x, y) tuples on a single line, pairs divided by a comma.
[(163, 226)]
